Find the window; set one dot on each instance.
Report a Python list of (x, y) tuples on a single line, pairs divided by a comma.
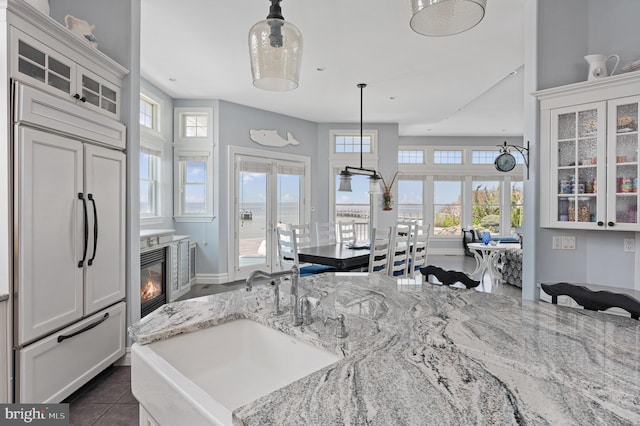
[(517, 205), (193, 178), (484, 157), (447, 157), (410, 199), (447, 206), (350, 143), (150, 161), (406, 156), (194, 151), (486, 203), (195, 126), (353, 205), (148, 113)]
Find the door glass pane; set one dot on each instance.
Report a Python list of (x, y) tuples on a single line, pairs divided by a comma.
[(59, 83), (252, 203), (59, 68), (90, 84), (410, 202), (627, 163), (31, 70), (447, 207), (91, 97), (108, 93), (289, 208), (486, 206)]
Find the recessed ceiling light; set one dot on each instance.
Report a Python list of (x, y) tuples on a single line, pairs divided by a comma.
[(392, 97), (321, 68), (514, 72), (172, 79), (504, 130)]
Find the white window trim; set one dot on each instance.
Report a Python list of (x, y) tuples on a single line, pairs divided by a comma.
[(178, 116), (207, 216)]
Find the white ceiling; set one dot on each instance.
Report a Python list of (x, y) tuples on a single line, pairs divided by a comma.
[(457, 85)]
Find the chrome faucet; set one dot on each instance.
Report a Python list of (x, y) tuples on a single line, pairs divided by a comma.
[(294, 274)]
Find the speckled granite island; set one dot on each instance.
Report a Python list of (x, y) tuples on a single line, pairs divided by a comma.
[(419, 354)]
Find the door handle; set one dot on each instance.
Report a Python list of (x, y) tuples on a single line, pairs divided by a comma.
[(86, 229), (95, 229)]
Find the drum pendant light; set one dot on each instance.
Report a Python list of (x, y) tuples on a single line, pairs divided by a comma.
[(445, 17), (275, 49)]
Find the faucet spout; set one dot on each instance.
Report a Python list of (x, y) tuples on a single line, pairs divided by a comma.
[(293, 274)]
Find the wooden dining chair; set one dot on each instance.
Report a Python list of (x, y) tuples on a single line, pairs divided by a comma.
[(347, 232), (288, 255), (419, 243), (381, 241), (399, 253), (303, 234), (326, 233)]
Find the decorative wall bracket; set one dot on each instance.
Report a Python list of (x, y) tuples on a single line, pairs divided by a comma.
[(505, 157)]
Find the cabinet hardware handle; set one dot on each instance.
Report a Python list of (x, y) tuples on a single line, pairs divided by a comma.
[(82, 99), (77, 96), (86, 229), (610, 223), (600, 223), (87, 328), (95, 229)]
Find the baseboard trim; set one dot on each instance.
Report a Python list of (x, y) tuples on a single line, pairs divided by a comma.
[(211, 279), (125, 360)]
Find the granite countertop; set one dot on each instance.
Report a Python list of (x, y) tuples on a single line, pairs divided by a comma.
[(423, 354)]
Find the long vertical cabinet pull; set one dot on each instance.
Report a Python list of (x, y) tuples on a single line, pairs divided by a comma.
[(95, 229), (86, 229)]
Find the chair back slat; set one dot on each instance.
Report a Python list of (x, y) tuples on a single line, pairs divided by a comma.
[(347, 232), (326, 233), (399, 252), (302, 234)]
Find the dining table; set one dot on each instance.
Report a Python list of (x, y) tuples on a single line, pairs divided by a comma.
[(342, 256)]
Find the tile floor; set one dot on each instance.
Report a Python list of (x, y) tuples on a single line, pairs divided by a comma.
[(107, 399)]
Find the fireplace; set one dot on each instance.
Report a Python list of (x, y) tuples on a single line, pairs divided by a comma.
[(153, 280)]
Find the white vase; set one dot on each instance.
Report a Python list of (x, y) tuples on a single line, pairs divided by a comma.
[(41, 5)]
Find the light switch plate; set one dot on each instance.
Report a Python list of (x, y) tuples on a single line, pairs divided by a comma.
[(568, 242)]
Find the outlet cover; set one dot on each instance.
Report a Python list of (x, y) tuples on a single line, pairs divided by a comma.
[(568, 242), (557, 243), (629, 245)]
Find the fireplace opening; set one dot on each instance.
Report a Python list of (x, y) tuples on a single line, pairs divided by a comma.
[(153, 280)]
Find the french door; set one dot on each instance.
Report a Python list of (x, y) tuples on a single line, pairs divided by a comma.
[(268, 193)]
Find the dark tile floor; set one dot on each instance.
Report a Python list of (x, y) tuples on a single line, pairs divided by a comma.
[(107, 399)]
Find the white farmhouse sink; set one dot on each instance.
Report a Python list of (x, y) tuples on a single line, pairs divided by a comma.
[(201, 377)]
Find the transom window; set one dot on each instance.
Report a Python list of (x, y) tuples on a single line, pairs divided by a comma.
[(447, 157), (406, 156), (147, 113), (352, 143), (484, 157), (195, 126)]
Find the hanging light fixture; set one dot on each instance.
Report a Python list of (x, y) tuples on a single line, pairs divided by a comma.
[(275, 48), (345, 175), (445, 17)]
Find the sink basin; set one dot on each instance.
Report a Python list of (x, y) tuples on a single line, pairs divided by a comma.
[(201, 377)]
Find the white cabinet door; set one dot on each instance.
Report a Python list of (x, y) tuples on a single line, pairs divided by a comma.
[(51, 233), (5, 367), (105, 186)]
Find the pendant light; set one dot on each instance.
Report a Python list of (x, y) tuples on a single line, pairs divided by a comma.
[(275, 49), (445, 17), (345, 175)]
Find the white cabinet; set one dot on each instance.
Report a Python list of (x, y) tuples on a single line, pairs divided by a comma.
[(71, 202), (589, 154), (41, 66)]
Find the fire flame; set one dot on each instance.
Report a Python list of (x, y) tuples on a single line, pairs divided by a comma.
[(150, 290)]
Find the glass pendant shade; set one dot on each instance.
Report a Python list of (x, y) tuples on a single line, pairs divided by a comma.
[(345, 182), (374, 185), (445, 17), (275, 48)]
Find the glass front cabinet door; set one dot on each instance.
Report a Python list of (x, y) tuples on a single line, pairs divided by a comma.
[(622, 172), (589, 155), (578, 165)]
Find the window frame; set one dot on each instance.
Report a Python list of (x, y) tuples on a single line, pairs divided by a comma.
[(152, 139), (155, 150)]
